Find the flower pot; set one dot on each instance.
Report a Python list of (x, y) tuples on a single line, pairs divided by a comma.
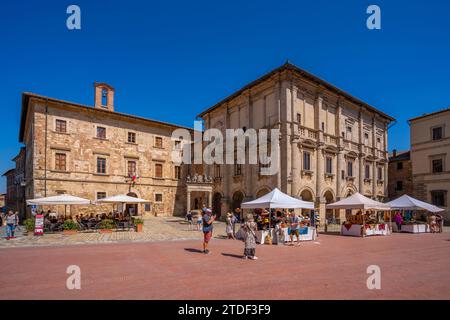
[(69, 232), (139, 227), (105, 231)]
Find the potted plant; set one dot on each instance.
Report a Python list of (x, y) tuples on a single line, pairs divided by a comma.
[(106, 226), (138, 223), (29, 226), (70, 227)]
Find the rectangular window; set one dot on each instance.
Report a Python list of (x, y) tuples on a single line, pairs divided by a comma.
[(437, 133), (437, 165), (237, 169), (323, 126), (177, 172), (101, 165), (158, 197), (61, 126), (131, 137), (399, 186), (299, 118), (217, 173), (306, 161), (367, 172), (131, 168), (399, 165), (147, 207), (350, 169), (158, 142), (380, 173), (438, 198), (158, 170), (177, 144), (101, 195), (60, 161), (366, 138), (329, 165), (101, 132)]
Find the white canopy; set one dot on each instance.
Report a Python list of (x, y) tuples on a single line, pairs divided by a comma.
[(277, 199), (406, 202), (63, 199), (358, 201), (122, 198)]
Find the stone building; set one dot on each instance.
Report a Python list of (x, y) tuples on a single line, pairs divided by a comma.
[(400, 174), (332, 144), (15, 185), (430, 158), (95, 152)]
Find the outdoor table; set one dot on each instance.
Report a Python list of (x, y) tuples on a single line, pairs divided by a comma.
[(414, 228), (356, 229), (305, 235)]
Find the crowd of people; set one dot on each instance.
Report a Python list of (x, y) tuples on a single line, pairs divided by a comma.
[(253, 222)]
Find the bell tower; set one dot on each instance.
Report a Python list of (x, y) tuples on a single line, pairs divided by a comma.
[(104, 96)]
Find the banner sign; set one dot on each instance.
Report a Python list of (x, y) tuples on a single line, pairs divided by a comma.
[(39, 225)]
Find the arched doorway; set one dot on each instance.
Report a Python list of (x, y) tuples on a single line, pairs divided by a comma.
[(217, 204), (132, 209), (306, 195), (329, 213), (262, 192), (238, 197)]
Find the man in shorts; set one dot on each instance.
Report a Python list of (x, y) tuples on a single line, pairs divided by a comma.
[(295, 227), (208, 219)]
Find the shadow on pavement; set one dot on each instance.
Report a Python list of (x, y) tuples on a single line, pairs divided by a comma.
[(193, 250), (232, 255)]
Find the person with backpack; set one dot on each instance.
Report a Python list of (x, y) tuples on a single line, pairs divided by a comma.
[(12, 220)]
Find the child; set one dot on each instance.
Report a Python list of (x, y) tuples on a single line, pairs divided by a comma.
[(199, 221)]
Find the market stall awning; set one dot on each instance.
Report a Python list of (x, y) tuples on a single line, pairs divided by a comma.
[(358, 201), (277, 199), (63, 199), (406, 202), (122, 198)]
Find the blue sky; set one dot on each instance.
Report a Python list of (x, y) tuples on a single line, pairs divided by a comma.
[(169, 60)]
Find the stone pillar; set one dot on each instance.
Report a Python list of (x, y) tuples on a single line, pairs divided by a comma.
[(338, 174), (209, 199), (374, 179), (188, 201), (361, 173)]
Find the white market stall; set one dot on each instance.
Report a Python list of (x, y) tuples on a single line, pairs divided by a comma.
[(277, 199), (406, 202), (358, 225), (122, 199), (63, 199)]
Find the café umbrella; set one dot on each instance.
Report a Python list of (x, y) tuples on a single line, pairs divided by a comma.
[(122, 199), (62, 199)]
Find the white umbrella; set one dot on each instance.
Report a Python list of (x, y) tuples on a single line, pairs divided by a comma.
[(63, 199), (277, 199), (122, 198), (358, 201), (406, 202)]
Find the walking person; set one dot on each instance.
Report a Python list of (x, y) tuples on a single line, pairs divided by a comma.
[(208, 219), (199, 221), (229, 227), (440, 223), (12, 220), (398, 221), (295, 228), (189, 220), (249, 228)]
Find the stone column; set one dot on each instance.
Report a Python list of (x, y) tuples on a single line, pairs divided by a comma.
[(188, 201), (374, 179), (361, 173), (209, 199)]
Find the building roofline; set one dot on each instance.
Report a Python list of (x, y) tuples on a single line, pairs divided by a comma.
[(290, 66), (429, 114), (8, 171), (27, 95)]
